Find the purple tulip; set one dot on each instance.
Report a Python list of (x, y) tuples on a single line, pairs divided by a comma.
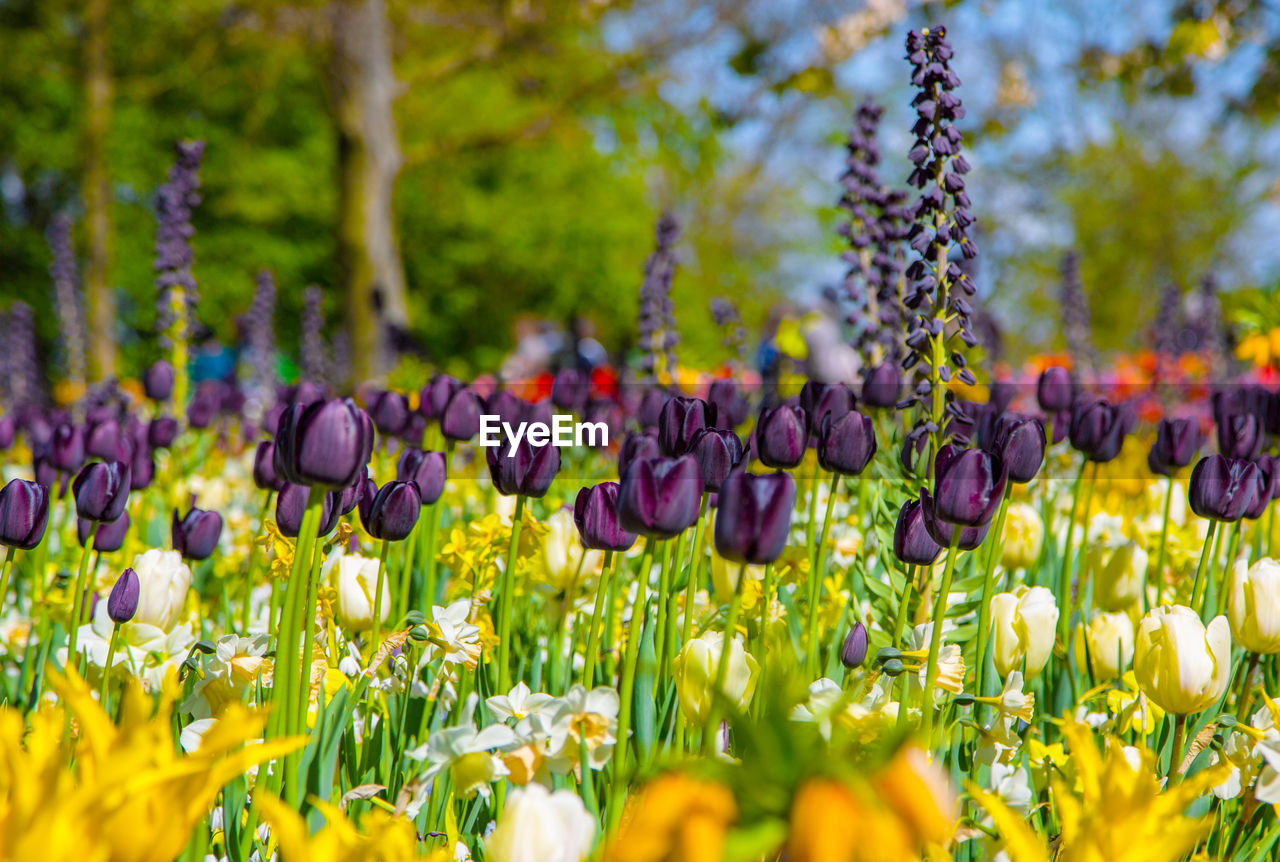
[(636, 446), (24, 514), (1177, 442), (882, 386), (569, 389), (942, 530), (122, 603), (102, 490), (781, 436), (427, 469), (507, 406), (308, 392), (822, 400), (291, 505), (203, 408), (595, 512), (66, 448), (1240, 435), (1097, 429), (393, 512), (110, 536), (1055, 390), (142, 470), (161, 432), (389, 412), (196, 534), (1225, 489), (461, 417), (650, 407), (968, 485), (680, 419), (436, 394), (8, 429), (731, 407), (660, 496), (753, 519), (264, 467), (854, 650), (717, 452), (913, 446), (1019, 441), (104, 440), (846, 444), (325, 443), (529, 472), (912, 542), (157, 381)]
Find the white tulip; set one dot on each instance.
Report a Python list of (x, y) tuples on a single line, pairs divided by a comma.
[(1180, 663), (541, 826), (1253, 607), (1022, 628), (357, 584), (163, 582)]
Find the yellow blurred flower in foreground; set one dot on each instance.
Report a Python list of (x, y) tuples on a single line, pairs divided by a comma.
[(384, 837), (675, 818)]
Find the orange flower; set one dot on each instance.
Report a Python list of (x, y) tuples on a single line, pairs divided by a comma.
[(831, 823), (918, 791), (675, 818)]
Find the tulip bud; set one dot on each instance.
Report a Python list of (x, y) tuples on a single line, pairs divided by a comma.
[(1224, 489), (110, 536), (1023, 537), (1253, 606), (1019, 441), (1119, 575), (529, 472), (717, 452), (436, 394), (1055, 389), (1240, 435), (570, 389), (1023, 625), (427, 469), (847, 444), (291, 504), (355, 579), (66, 448), (595, 512), (102, 490), (104, 440), (157, 380), (1180, 663), (325, 443), (822, 401), (393, 512), (389, 412), (753, 518), (968, 485), (696, 669), (539, 824), (1109, 638), (636, 447), (660, 496), (196, 534), (162, 431), (882, 386), (122, 604), (24, 514), (912, 543), (680, 419), (8, 429), (650, 408), (1097, 429), (461, 417), (731, 406), (781, 436), (854, 651), (164, 581), (1177, 442), (264, 470)]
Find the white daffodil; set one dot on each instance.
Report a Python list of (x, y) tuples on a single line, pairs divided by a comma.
[(520, 702)]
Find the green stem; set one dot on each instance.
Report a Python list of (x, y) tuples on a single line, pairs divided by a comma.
[(77, 607), (1064, 577), (695, 571), (4, 576), (988, 586), (627, 687), (722, 670), (593, 638), (935, 640), (106, 669), (376, 610), (817, 570), (429, 582), (1164, 543), (1197, 588), (1175, 755), (508, 599)]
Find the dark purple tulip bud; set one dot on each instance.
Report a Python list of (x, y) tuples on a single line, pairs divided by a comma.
[(753, 519), (427, 469), (607, 411), (660, 496), (291, 504), (325, 443), (781, 436), (941, 531), (717, 452), (102, 490), (854, 651), (1225, 489), (8, 428), (45, 473), (110, 536), (1269, 469), (507, 406), (102, 440), (157, 381), (389, 412), (366, 489), (1240, 435), (1061, 426), (348, 498), (264, 467), (882, 386), (122, 604), (196, 534), (595, 512), (680, 419), (529, 472), (201, 411), (461, 417), (1055, 390), (731, 407), (651, 408), (308, 392), (913, 446), (142, 470), (66, 448), (570, 389), (436, 394), (636, 446), (1019, 441), (1177, 442), (846, 444), (393, 512), (912, 542), (24, 513), (1097, 429), (162, 431), (968, 485), (538, 412), (414, 427), (822, 400)]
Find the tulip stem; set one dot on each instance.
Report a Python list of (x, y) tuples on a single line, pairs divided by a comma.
[(4, 576), (1220, 589), (1064, 578), (1198, 587), (1175, 755), (1164, 542), (407, 556), (249, 571), (429, 582), (988, 586), (77, 607), (593, 638), (376, 610), (1246, 690), (712, 729), (935, 639), (284, 693), (627, 685), (817, 569), (695, 570), (900, 622), (508, 599), (106, 669)]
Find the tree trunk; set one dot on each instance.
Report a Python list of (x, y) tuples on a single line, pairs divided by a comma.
[(363, 88), (99, 298)]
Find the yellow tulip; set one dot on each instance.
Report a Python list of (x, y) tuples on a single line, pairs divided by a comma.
[(1180, 663), (1023, 536), (1119, 575), (1253, 606), (1023, 625), (696, 669)]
